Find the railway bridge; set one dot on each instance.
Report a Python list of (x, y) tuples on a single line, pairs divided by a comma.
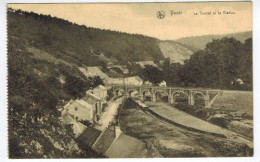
[(209, 95)]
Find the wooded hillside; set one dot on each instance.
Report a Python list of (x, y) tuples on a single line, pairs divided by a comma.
[(38, 81), (219, 65), (199, 42), (81, 44)]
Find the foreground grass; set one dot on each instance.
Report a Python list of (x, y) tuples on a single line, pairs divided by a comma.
[(232, 110), (240, 103), (171, 141)]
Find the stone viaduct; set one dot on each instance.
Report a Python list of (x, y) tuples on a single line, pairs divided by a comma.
[(208, 95)]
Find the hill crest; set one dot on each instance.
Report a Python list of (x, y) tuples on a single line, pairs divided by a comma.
[(199, 42)]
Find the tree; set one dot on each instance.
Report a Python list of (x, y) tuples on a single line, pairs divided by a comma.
[(96, 81), (222, 61), (74, 86), (228, 53), (152, 74), (246, 62), (170, 73)]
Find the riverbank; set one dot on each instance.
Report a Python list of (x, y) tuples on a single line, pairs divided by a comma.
[(232, 110), (172, 141)]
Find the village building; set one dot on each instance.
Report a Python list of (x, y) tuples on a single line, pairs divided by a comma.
[(162, 84), (134, 80), (123, 68), (78, 110), (130, 147), (237, 81), (148, 83), (89, 136), (104, 141), (92, 71), (143, 63), (96, 104), (101, 92), (112, 142), (89, 108)]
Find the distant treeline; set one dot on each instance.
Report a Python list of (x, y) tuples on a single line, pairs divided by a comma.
[(222, 64), (78, 43)]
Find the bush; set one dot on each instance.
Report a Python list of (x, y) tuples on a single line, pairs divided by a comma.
[(220, 119), (196, 111), (130, 104)]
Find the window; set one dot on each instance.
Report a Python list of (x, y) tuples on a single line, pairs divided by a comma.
[(76, 108)]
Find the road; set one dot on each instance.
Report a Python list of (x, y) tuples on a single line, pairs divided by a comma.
[(109, 114)]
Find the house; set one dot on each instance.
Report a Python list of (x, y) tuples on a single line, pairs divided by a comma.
[(237, 81), (112, 142), (123, 68), (126, 147), (71, 100), (78, 110), (134, 80), (66, 118), (77, 127), (162, 84), (148, 83), (101, 92), (105, 140), (96, 103), (92, 71), (89, 136), (89, 108), (143, 63)]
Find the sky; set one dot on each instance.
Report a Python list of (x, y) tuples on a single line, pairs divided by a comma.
[(141, 18)]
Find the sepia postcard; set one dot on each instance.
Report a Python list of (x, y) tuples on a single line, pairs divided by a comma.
[(130, 80)]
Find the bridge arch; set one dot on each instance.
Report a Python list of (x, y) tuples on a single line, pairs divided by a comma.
[(144, 97), (199, 98), (198, 93), (156, 97), (132, 90), (179, 92), (116, 91), (146, 90)]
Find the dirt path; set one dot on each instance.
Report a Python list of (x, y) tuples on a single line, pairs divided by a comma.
[(182, 118), (109, 114)]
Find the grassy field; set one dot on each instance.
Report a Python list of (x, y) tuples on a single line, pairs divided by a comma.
[(239, 103), (172, 141), (232, 110)]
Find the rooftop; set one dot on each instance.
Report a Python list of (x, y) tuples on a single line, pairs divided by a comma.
[(101, 87), (104, 141), (84, 103), (90, 98), (126, 147), (89, 136)]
